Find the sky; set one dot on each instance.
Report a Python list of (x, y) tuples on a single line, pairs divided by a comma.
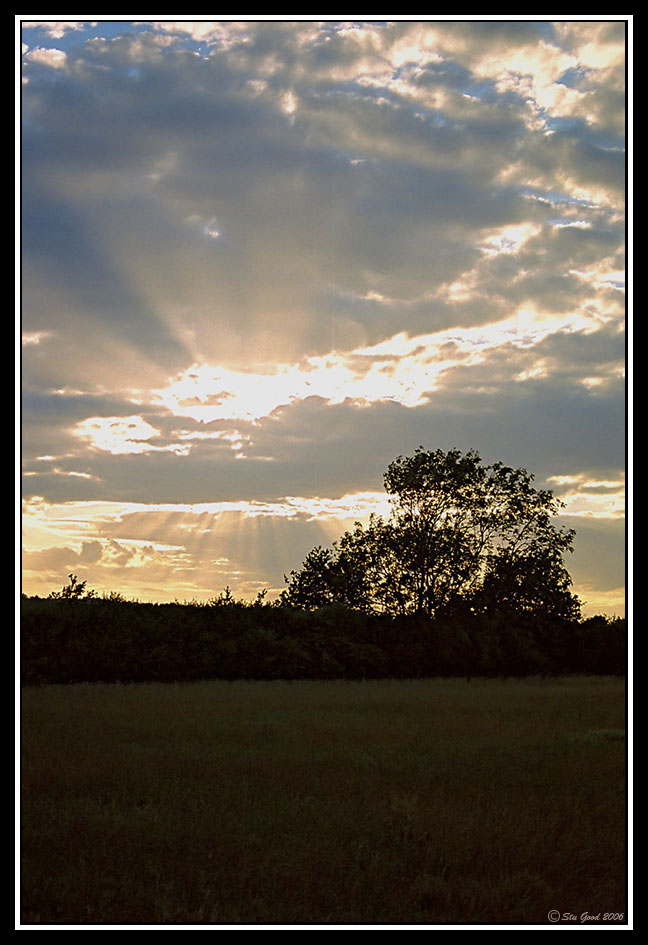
[(260, 259)]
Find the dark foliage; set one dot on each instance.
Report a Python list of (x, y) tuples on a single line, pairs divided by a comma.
[(461, 536), (465, 578), (95, 639)]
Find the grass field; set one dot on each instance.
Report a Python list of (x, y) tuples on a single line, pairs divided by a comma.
[(430, 801)]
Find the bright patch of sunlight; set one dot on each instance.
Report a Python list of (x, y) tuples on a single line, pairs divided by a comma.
[(402, 369), (123, 435)]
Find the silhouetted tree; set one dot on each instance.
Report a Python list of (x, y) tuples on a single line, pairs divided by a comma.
[(74, 590), (460, 533)]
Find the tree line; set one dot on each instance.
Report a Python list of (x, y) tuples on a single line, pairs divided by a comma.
[(466, 577), (98, 639)]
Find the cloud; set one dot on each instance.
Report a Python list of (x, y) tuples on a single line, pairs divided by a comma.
[(55, 29), (53, 58), (34, 337), (144, 549), (319, 231), (261, 259)]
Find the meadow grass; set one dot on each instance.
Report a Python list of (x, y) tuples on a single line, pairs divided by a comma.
[(385, 802)]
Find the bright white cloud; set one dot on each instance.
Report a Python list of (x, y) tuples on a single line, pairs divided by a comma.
[(508, 239), (402, 369), (35, 337), (54, 58), (56, 29), (123, 435), (289, 103), (221, 33)]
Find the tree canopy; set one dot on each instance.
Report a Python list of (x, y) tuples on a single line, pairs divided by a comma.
[(460, 535)]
